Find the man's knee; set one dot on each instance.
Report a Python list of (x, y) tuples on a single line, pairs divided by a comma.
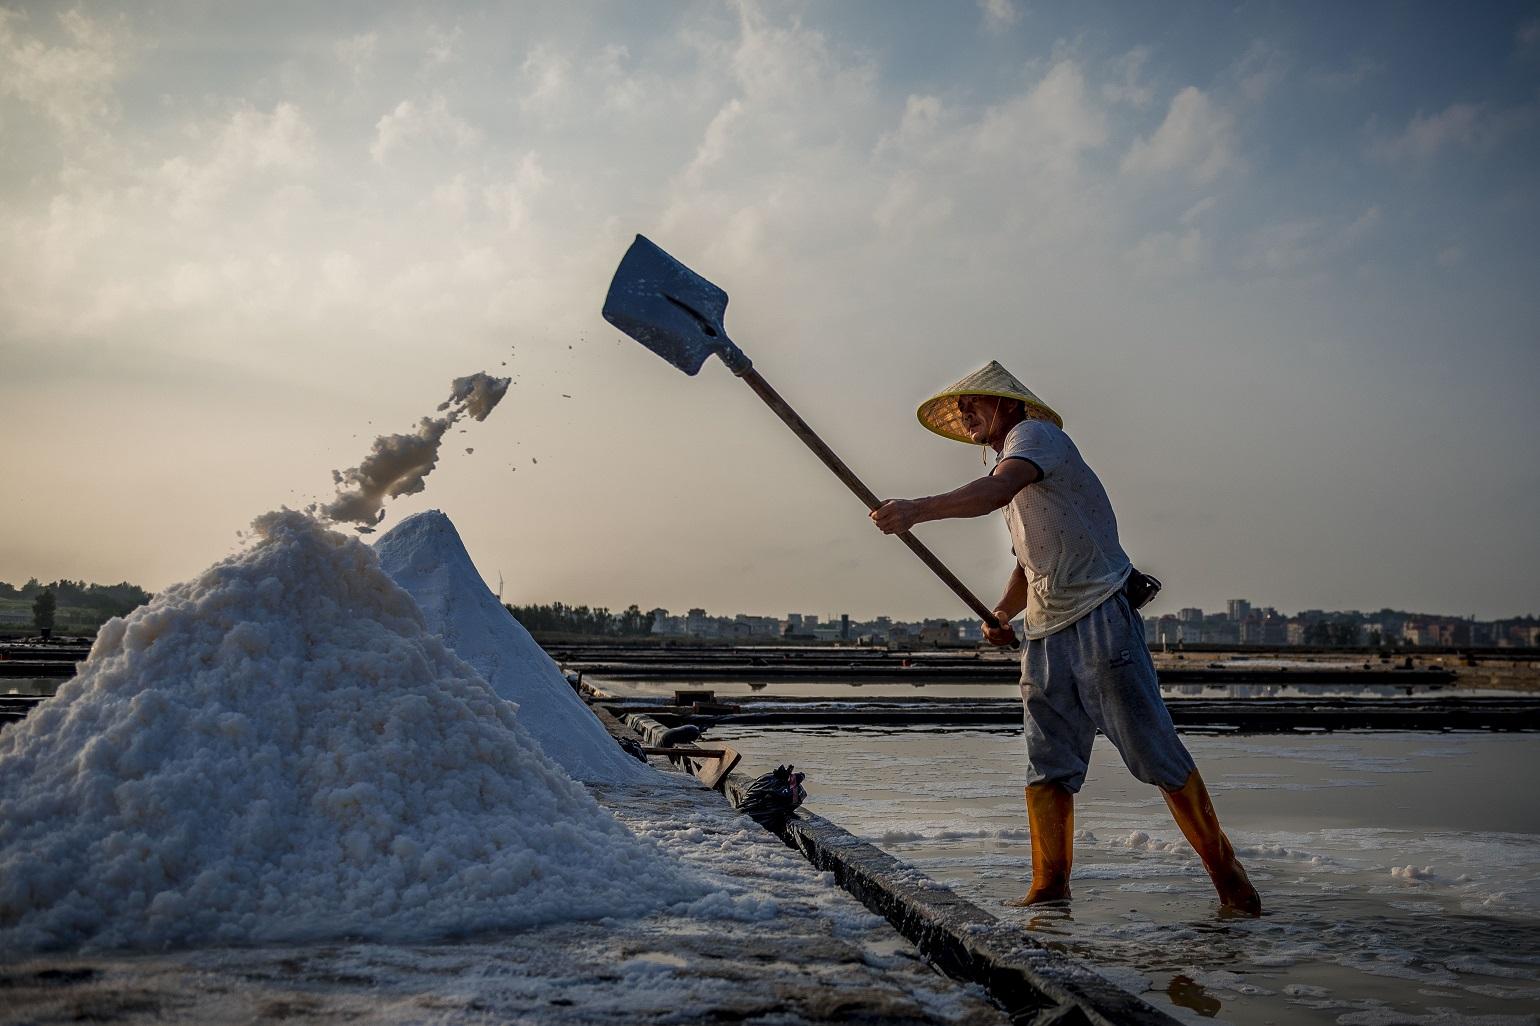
[(1163, 761)]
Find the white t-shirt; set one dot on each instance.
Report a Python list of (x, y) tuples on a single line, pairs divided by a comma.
[(1062, 530)]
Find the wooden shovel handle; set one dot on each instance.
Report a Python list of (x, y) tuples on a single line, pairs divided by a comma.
[(800, 427)]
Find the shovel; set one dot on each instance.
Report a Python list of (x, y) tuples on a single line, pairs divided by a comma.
[(678, 314)]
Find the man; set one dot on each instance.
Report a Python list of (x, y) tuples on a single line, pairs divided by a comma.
[(1085, 666)]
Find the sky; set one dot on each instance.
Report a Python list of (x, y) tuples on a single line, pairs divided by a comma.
[(1274, 263)]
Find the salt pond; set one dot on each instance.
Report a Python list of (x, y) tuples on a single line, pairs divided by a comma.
[(1401, 871)]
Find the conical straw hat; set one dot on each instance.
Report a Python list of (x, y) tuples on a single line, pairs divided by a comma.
[(940, 414)]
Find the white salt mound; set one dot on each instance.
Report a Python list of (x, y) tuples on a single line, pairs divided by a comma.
[(425, 556), (281, 750)]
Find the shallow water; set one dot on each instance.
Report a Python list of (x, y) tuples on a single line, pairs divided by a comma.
[(1401, 872)]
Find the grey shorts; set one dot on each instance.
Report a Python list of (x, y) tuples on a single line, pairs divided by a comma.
[(1096, 674)]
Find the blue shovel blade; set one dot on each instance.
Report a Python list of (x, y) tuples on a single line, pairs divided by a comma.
[(667, 307)]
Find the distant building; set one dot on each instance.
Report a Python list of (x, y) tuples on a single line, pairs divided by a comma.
[(1238, 609), (1219, 629)]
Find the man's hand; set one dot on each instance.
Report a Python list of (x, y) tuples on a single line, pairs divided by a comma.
[(895, 516), (1002, 635)]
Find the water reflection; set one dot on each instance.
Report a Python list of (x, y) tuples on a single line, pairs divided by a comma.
[(1187, 992), (30, 686)]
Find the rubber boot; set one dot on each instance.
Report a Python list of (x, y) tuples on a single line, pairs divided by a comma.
[(1051, 817), (1194, 813)]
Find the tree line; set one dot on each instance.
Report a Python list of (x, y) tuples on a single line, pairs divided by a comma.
[(596, 622), (90, 603)]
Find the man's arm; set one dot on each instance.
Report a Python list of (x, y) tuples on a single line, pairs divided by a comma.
[(974, 499), (1011, 603)]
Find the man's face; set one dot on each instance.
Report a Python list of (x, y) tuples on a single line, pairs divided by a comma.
[(980, 415)]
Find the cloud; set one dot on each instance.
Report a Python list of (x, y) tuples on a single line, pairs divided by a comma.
[(443, 46), (1355, 74), (250, 146), (1476, 128), (1049, 126), (1128, 86), (1165, 253), (1197, 137), (70, 82), (1197, 210), (909, 206), (1451, 255), (410, 121), (1258, 71), (1306, 244), (357, 53), (1527, 36), (999, 15), (714, 143), (543, 78), (510, 199)]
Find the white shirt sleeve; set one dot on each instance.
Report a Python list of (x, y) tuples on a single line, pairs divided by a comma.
[(1038, 441)]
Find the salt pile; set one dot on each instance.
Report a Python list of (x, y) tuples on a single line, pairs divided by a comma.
[(425, 556), (280, 749)]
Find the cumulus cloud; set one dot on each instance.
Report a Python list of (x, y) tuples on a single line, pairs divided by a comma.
[(714, 143), (1307, 243), (1260, 69), (1459, 124), (1127, 84), (1050, 125), (911, 205), (411, 121), (71, 80), (443, 46), (510, 199), (543, 78), (249, 145), (1196, 138), (999, 14)]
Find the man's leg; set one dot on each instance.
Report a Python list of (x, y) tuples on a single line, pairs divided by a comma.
[(1194, 814), (1120, 691), (1059, 736)]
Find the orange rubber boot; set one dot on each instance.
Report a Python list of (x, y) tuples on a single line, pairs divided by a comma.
[(1051, 817), (1194, 813)]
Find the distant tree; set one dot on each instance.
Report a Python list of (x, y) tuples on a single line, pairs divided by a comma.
[(43, 610)]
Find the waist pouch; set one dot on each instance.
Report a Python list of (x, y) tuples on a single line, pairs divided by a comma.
[(1140, 588)]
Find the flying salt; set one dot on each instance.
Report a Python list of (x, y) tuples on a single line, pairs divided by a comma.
[(397, 464), (280, 749)]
